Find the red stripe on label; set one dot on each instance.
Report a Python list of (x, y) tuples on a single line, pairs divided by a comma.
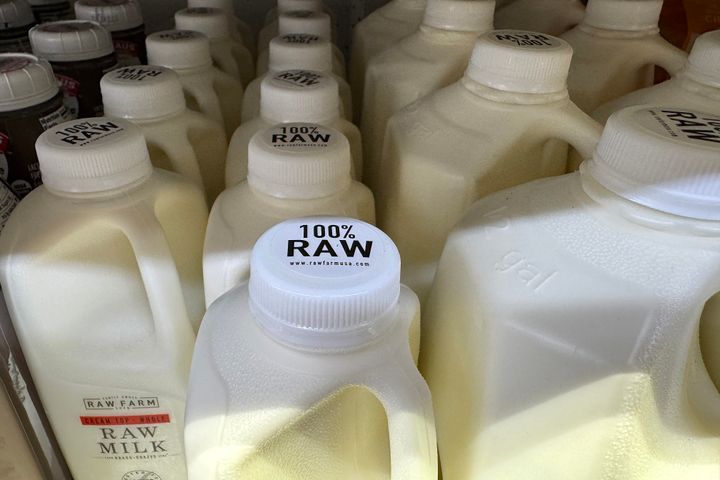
[(126, 420)]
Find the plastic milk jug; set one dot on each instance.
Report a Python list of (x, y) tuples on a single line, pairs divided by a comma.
[(573, 305), (179, 139), (431, 58), (16, 20), (294, 170), (207, 89), (293, 96), (101, 268), (553, 17), (270, 29), (306, 371), (697, 86), (617, 46), (228, 53), (297, 52), (310, 23), (508, 121), (239, 29), (377, 32)]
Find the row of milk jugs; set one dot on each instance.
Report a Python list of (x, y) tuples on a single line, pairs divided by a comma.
[(329, 288)]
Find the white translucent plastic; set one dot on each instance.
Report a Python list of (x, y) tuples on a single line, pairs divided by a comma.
[(105, 292), (377, 32), (546, 16), (232, 57), (608, 64), (573, 315), (17, 461), (461, 144), (338, 63)]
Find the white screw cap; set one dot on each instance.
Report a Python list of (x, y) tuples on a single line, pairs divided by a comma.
[(92, 155), (210, 21), (142, 92), (71, 40), (15, 14), (25, 81), (460, 15), (299, 161), (299, 96), (290, 5), (664, 158), (224, 5), (305, 21), (628, 15), (703, 64), (296, 51), (115, 15), (179, 49), (520, 61), (324, 283)]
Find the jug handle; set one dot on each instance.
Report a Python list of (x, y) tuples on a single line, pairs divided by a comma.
[(576, 128), (209, 103), (161, 279), (663, 54), (407, 402), (176, 149), (226, 61)]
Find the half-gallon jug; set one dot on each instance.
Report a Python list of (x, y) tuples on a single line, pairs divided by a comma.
[(294, 170), (178, 139), (296, 51), (561, 334), (228, 53), (207, 89), (16, 20), (377, 32), (617, 46), (80, 53), (30, 103), (552, 17), (309, 23), (239, 29), (51, 10), (431, 58), (508, 121), (306, 371), (124, 20), (110, 250), (293, 96), (270, 29), (697, 86)]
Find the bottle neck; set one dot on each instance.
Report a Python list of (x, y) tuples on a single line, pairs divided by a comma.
[(698, 84), (288, 197), (519, 98), (103, 195), (642, 216), (609, 33), (448, 36)]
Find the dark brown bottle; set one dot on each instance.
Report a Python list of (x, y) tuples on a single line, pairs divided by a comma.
[(51, 10), (80, 53), (16, 19), (30, 103), (123, 18)]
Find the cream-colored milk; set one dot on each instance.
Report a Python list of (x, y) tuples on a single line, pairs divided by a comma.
[(239, 29), (429, 59), (232, 57), (461, 144), (106, 294), (377, 32), (17, 461), (261, 409), (560, 339), (243, 212), (545, 16)]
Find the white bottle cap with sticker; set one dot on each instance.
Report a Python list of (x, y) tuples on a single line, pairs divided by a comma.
[(212, 22), (179, 50), (299, 96), (664, 158), (324, 283), (290, 5), (25, 81), (625, 15), (703, 64), (300, 51), (15, 14), (71, 41), (115, 15), (299, 161), (142, 92), (92, 155), (460, 15), (305, 21), (520, 61)]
